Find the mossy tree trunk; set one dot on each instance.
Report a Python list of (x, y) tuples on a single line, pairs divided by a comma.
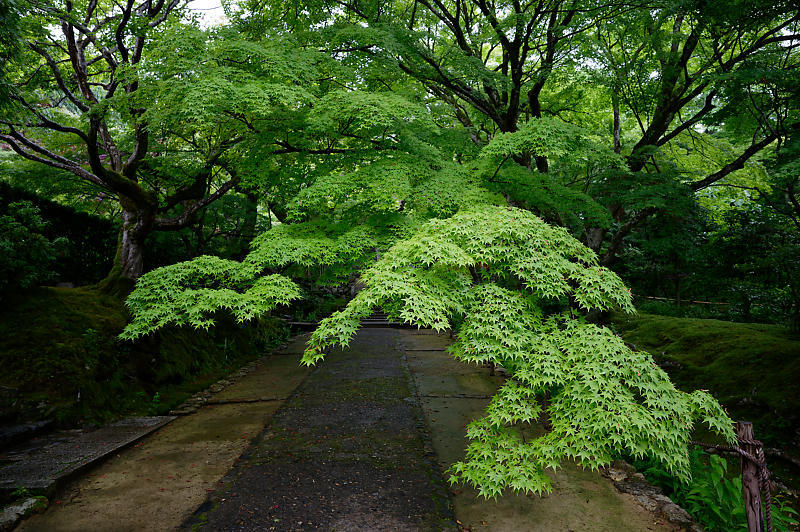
[(247, 231), (137, 223)]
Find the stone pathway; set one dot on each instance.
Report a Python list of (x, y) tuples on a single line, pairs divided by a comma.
[(346, 452), (156, 484), (42, 462), (359, 443)]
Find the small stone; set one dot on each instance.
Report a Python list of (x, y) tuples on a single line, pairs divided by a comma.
[(648, 503), (16, 511), (617, 475), (663, 499), (676, 514)]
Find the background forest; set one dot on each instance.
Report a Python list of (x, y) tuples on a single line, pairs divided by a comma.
[(524, 172)]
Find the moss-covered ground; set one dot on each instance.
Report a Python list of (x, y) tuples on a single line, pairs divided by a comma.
[(753, 369), (62, 360)]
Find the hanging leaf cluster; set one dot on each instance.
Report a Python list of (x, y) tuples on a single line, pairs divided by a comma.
[(514, 285)]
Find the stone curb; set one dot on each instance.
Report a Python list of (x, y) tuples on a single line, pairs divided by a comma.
[(16, 511), (649, 497)]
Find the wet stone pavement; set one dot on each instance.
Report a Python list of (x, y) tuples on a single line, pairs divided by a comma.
[(348, 451)]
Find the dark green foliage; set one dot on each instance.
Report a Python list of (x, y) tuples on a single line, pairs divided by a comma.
[(223, 229), (755, 259), (748, 260), (714, 495), (87, 242), (26, 255), (10, 43), (60, 353)]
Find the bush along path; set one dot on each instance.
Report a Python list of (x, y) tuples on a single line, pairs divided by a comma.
[(348, 451)]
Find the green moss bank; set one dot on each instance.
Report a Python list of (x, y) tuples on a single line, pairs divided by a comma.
[(753, 369), (61, 358)]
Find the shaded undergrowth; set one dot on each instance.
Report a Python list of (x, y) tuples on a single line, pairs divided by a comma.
[(753, 369), (62, 360)]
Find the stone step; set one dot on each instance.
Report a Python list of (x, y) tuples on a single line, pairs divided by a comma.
[(41, 463)]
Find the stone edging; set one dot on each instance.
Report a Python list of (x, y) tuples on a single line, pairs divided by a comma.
[(651, 498), (202, 398)]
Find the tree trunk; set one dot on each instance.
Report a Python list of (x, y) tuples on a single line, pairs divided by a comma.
[(247, 231), (751, 489), (594, 238), (128, 265), (617, 125), (794, 320)]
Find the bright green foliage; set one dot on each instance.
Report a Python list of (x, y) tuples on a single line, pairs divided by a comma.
[(189, 293), (393, 185), (327, 253), (572, 208), (554, 139), (576, 153), (376, 112), (451, 189), (358, 192), (500, 272), (308, 244)]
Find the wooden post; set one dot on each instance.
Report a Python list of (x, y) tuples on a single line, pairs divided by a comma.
[(751, 488)]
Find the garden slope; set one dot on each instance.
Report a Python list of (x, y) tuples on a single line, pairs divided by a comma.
[(753, 369), (61, 358)]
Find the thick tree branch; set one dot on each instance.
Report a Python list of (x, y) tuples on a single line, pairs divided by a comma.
[(48, 158), (185, 218), (736, 164)]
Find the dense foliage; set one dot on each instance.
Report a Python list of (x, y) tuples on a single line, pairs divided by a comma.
[(714, 498), (26, 255), (86, 242), (476, 166)]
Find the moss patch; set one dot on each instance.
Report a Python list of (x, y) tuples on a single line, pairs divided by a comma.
[(753, 369), (61, 358)]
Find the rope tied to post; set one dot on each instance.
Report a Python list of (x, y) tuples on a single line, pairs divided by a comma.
[(760, 461)]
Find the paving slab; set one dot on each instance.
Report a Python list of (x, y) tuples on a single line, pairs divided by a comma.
[(40, 464), (411, 340), (155, 485), (295, 346), (469, 385), (434, 364), (273, 379), (345, 452)]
